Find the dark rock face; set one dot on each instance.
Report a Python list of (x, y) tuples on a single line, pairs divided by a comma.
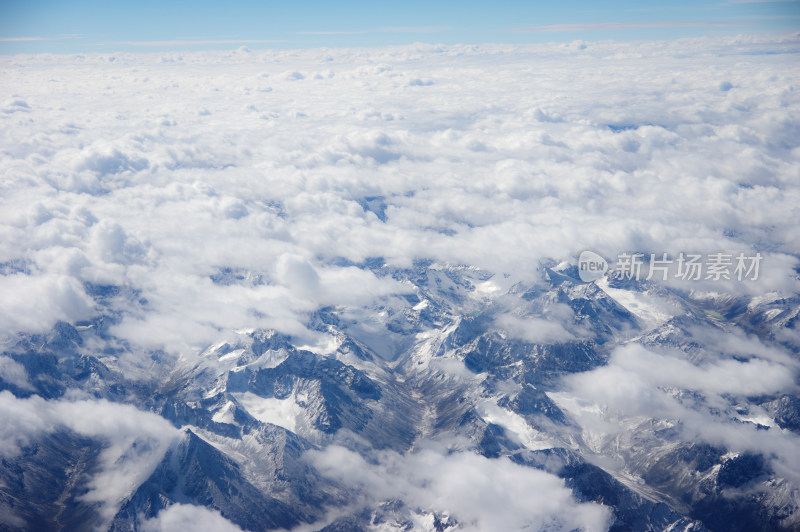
[(495, 441), (532, 402), (738, 471), (194, 472), (787, 413), (40, 489)]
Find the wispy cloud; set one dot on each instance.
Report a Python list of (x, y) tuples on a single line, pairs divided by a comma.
[(30, 39), (199, 42), (20, 39), (616, 26), (423, 29), (360, 32)]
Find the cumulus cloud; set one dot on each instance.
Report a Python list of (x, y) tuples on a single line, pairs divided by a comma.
[(180, 517), (480, 493), (535, 330), (700, 396), (552, 327), (113, 245), (134, 175), (13, 372), (721, 376), (36, 303), (297, 274)]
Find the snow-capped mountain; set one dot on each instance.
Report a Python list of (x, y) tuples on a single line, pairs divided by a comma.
[(274, 436)]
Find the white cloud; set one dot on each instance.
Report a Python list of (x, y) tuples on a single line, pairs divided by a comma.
[(36, 303), (722, 376), (410, 29), (133, 441), (20, 39), (130, 173), (13, 372), (298, 275), (180, 517), (482, 494), (26, 39), (20, 424), (110, 242), (639, 384), (534, 330), (191, 42)]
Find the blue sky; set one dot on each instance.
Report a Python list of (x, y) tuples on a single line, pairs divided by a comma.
[(103, 26)]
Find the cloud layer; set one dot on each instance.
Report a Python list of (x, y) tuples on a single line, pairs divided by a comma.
[(482, 494), (127, 170)]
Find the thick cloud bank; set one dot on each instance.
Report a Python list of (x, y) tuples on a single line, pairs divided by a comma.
[(158, 172), (482, 494)]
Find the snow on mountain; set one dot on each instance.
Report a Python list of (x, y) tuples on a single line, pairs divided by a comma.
[(338, 290)]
